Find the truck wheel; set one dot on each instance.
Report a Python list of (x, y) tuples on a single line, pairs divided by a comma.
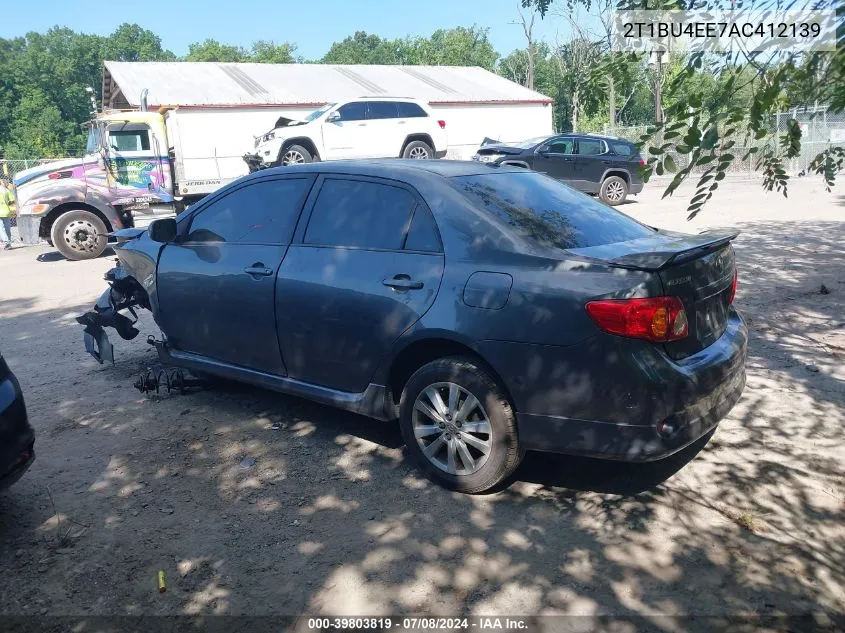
[(79, 235), (613, 190), (295, 155), (418, 150)]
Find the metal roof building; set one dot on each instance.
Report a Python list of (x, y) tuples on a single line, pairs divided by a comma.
[(213, 84), (248, 98)]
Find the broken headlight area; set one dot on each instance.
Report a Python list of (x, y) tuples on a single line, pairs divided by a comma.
[(122, 295)]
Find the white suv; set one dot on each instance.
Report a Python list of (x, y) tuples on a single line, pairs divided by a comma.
[(369, 127)]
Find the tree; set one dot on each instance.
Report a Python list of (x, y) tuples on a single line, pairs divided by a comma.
[(462, 46), (213, 51), (749, 88), (530, 53), (363, 48), (131, 43), (268, 52)]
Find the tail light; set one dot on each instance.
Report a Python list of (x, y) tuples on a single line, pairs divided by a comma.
[(656, 319), (442, 124), (642, 163), (733, 286)]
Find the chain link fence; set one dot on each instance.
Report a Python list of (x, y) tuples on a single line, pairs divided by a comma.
[(820, 129)]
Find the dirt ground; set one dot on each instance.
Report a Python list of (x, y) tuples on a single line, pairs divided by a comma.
[(333, 519)]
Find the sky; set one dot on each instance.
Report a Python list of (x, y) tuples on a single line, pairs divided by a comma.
[(313, 26)]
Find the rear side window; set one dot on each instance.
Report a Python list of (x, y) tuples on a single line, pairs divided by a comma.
[(547, 213), (422, 236), (590, 147), (355, 111), (263, 212), (381, 110), (360, 214), (409, 110), (623, 149)]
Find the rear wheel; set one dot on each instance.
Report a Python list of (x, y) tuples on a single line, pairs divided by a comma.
[(613, 190), (295, 155), (418, 150), (79, 235), (458, 424)]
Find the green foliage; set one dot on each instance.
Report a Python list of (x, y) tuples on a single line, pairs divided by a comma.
[(713, 100), (453, 47), (213, 51)]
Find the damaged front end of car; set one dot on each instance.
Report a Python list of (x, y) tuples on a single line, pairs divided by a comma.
[(124, 294)]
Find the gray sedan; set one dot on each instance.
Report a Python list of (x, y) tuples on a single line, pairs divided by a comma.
[(489, 309)]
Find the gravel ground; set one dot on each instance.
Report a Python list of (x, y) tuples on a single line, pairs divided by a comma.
[(333, 519)]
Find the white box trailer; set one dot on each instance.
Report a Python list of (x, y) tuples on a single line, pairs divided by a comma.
[(207, 145)]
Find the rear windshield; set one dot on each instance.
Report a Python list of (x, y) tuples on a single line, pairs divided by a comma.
[(547, 213)]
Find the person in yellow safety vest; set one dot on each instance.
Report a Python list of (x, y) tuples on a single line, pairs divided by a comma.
[(7, 211)]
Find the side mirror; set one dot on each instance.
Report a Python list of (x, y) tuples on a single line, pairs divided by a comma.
[(163, 230), (543, 150), (333, 116)]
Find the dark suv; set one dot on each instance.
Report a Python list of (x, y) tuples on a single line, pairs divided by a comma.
[(599, 165)]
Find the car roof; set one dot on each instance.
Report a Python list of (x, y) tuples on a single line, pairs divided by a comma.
[(598, 136), (397, 168)]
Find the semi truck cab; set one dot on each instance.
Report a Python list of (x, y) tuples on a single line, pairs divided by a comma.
[(124, 179)]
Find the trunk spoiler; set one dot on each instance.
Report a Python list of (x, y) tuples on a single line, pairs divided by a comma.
[(686, 248)]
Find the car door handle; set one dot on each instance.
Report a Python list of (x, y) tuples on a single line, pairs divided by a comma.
[(258, 270), (402, 282), (568, 158)]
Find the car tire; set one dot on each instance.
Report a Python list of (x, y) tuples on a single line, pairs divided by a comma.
[(488, 454), (613, 190), (294, 155), (79, 235), (418, 150)]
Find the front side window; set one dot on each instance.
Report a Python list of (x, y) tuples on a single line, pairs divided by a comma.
[(547, 213), (355, 111), (381, 110), (561, 146), (360, 214), (590, 147), (130, 138), (263, 212)]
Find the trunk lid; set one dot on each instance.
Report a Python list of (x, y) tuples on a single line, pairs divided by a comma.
[(698, 269)]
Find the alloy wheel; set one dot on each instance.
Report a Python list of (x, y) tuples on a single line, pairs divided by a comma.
[(452, 428), (418, 153), (292, 157), (614, 191)]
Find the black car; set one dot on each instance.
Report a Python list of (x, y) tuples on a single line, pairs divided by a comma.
[(17, 439), (599, 165), (489, 309)]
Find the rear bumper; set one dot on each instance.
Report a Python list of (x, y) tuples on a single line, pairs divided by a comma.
[(608, 396), (440, 154), (608, 440), (29, 228), (635, 187)]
